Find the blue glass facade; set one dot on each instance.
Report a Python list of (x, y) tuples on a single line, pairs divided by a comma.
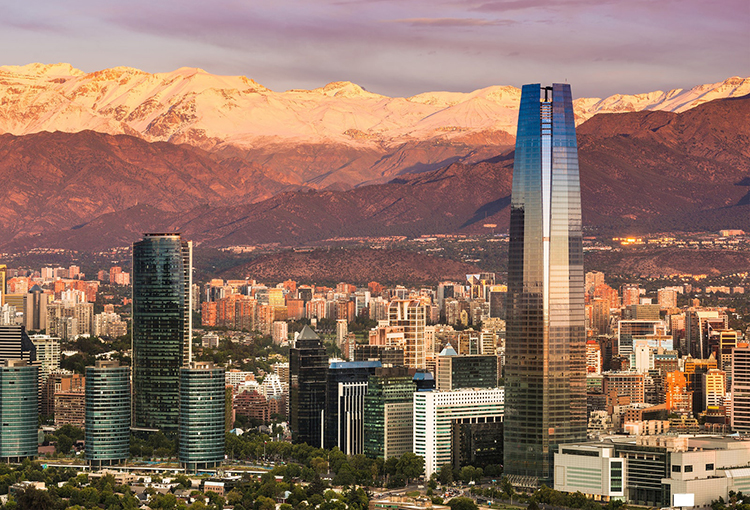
[(162, 266), (545, 345)]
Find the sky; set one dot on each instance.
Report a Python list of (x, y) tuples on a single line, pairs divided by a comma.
[(395, 47)]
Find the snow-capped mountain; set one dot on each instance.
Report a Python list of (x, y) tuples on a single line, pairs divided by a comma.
[(215, 112)]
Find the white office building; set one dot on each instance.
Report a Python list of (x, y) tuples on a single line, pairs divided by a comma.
[(436, 411)]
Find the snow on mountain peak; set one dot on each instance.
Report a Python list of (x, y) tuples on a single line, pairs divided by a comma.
[(189, 105), (38, 69)]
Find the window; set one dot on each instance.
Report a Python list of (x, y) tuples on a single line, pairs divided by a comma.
[(688, 469), (709, 467), (676, 469)]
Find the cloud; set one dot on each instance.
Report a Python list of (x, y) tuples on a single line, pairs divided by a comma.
[(452, 22)]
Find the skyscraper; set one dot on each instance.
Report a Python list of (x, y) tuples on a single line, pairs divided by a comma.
[(202, 413), (411, 315), (308, 369), (162, 327), (545, 364), (107, 413)]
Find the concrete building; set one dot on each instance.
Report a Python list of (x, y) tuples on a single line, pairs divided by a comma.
[(593, 469), (411, 315), (741, 389), (436, 411)]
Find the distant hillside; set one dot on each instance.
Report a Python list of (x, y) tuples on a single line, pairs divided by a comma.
[(358, 266), (666, 262), (640, 172)]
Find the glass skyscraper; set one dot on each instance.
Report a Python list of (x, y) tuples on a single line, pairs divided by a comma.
[(202, 413), (18, 410), (162, 327), (107, 413), (545, 370), (308, 372)]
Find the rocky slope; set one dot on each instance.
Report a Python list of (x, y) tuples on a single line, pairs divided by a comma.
[(640, 171), (355, 265), (337, 136)]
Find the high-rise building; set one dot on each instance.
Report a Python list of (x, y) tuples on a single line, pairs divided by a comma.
[(389, 413), (16, 344), (345, 401), (545, 365), (741, 389), (456, 372), (436, 412), (202, 413), (35, 309), (162, 328), (18, 410), (3, 279), (107, 413), (412, 316), (308, 367)]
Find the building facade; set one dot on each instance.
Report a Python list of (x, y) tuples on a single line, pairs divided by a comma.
[(18, 410), (435, 413), (162, 328), (107, 413), (345, 401), (389, 413), (308, 367), (202, 412), (545, 366)]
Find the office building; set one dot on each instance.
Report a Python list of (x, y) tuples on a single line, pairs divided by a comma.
[(18, 410), (107, 413), (308, 367), (389, 413), (628, 330), (345, 402), (590, 468), (35, 309), (16, 344), (545, 365), (455, 372), (202, 412), (436, 412), (162, 328), (741, 389), (412, 316)]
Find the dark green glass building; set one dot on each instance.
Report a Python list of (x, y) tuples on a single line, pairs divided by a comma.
[(18, 410), (389, 413), (308, 369), (162, 326), (545, 366), (107, 413), (202, 414)]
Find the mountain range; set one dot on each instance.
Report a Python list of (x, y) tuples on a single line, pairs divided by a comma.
[(434, 163), (337, 136)]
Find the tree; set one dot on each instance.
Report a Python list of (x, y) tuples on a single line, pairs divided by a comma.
[(446, 474), (462, 504), (410, 466), (32, 497), (507, 488)]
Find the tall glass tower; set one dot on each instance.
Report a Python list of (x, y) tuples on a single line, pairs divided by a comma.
[(107, 413), (545, 368), (202, 413), (162, 328)]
